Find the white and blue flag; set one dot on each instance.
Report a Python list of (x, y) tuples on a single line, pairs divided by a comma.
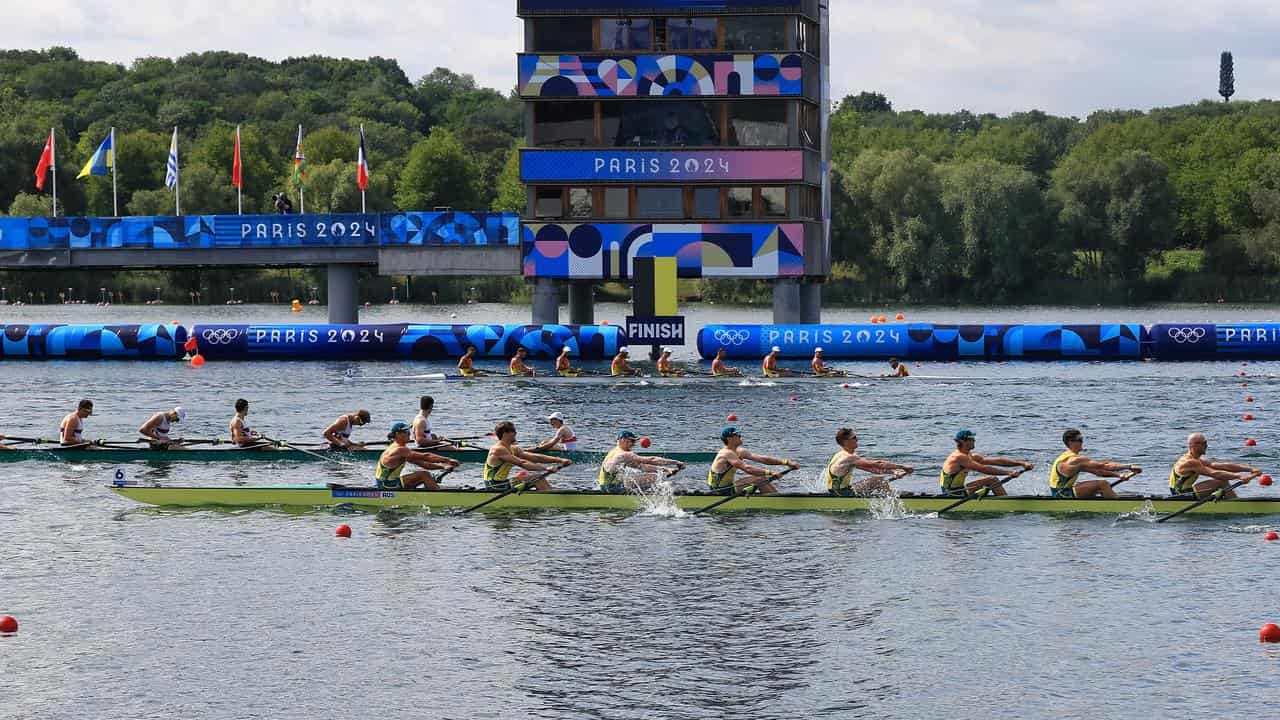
[(171, 173)]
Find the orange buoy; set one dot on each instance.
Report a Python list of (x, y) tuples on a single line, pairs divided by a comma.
[(1251, 443), (604, 323), (645, 441), (884, 319), (1270, 633), (197, 360), (732, 417), (1265, 481), (8, 624), (344, 530), (900, 316), (874, 319), (1271, 536)]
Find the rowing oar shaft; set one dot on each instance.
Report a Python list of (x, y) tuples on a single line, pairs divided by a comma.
[(282, 443), (1126, 478), (515, 487), (739, 492), (984, 492), (1215, 496)]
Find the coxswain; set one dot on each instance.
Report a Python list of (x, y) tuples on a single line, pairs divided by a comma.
[(389, 472), (820, 368), (1186, 476), (620, 367), (897, 369), (720, 369), (517, 363), (1063, 474), (564, 437), (954, 480), (339, 433), (769, 366), (466, 364), (665, 368), (619, 459), (71, 431), (506, 454), (241, 434), (732, 457), (156, 428), (563, 367), (839, 472), (423, 435)]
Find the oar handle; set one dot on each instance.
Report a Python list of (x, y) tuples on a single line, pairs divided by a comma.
[(1126, 477)]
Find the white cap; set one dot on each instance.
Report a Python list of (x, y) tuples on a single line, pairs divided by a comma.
[(181, 412), (775, 349), (555, 416), (624, 350), (817, 349), (566, 349), (666, 351)]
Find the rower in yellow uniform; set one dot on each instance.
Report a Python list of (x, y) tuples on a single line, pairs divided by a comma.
[(720, 369), (1067, 467), (897, 369), (620, 458), (563, 367), (71, 431), (954, 479), (820, 368), (389, 472), (506, 454), (517, 365), (1186, 476), (722, 477), (665, 368), (466, 364), (769, 366), (620, 367), (839, 473)]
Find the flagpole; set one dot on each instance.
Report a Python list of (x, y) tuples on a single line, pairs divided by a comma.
[(177, 177), (115, 203), (362, 207), (239, 185), (53, 163), (297, 171)]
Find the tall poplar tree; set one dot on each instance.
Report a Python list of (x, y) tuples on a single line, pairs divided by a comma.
[(1227, 77)]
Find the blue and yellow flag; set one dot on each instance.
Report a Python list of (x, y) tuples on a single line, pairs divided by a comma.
[(102, 159)]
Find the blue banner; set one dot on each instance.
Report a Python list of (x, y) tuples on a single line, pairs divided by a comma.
[(525, 6), (671, 165)]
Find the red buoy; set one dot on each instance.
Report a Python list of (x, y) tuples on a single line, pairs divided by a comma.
[(874, 320), (900, 316), (1247, 416), (1270, 633), (1271, 536), (1243, 373), (1251, 443), (645, 442), (8, 624), (344, 530), (795, 398), (1249, 399), (884, 319), (197, 360), (1265, 481), (732, 417), (846, 386)]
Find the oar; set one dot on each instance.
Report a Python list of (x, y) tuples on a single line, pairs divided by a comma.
[(1126, 477), (1215, 496), (742, 491), (515, 487), (284, 444), (10, 440), (981, 493)]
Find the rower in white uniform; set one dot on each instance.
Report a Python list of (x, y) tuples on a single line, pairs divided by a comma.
[(71, 432), (241, 434), (564, 438), (423, 435), (339, 433), (156, 428)]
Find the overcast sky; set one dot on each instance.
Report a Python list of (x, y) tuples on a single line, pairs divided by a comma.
[(1067, 57)]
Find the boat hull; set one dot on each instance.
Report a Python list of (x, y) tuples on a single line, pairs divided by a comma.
[(210, 455)]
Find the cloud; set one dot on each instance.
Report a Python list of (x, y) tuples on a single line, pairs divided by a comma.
[(1064, 57)]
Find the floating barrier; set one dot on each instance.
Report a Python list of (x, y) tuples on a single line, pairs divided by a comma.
[(1201, 341), (403, 341), (92, 342), (919, 341)]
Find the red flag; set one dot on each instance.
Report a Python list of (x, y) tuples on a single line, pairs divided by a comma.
[(46, 162), (362, 165), (237, 171)]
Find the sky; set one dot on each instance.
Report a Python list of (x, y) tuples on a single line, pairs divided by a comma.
[(986, 56)]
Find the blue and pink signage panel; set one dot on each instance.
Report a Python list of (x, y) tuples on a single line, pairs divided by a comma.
[(674, 165), (727, 75)]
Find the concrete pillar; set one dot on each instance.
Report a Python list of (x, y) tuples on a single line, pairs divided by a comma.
[(344, 296), (546, 302), (582, 303), (786, 301), (810, 302)]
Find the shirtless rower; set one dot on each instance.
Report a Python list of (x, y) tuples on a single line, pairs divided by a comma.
[(897, 369), (732, 457), (241, 434), (720, 369), (71, 431), (769, 366), (665, 368), (517, 365), (620, 367), (1185, 477), (1067, 467), (423, 435), (955, 469), (4, 446), (563, 367), (613, 475), (564, 437), (156, 428), (820, 368), (339, 433), (839, 472), (466, 364), (389, 472), (506, 454)]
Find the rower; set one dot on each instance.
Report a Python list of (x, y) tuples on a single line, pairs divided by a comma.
[(769, 366), (4, 446), (665, 368), (563, 367), (732, 457), (156, 428), (898, 369), (517, 363), (71, 431), (1068, 466), (955, 469), (839, 473), (423, 435), (564, 438), (820, 368), (620, 367), (720, 369), (241, 434), (339, 433), (466, 364), (1220, 475), (389, 472), (621, 457), (506, 454)]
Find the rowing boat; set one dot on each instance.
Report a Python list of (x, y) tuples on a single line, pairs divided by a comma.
[(313, 496), (722, 380), (99, 455)]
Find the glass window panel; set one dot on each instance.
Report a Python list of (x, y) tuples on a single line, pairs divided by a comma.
[(758, 124), (660, 123), (548, 203), (616, 202), (659, 202), (562, 34), (759, 34), (700, 33), (563, 124), (579, 203), (624, 33), (773, 202), (706, 202), (740, 202)]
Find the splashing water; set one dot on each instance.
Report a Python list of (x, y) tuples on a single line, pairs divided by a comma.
[(658, 500), (1146, 514), (889, 507)]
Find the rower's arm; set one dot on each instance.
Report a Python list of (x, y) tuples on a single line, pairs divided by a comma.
[(148, 429), (1103, 469), (532, 457), (331, 433), (68, 433), (655, 460), (1001, 461), (749, 469), (989, 466), (767, 459), (419, 456), (879, 466), (1231, 467)]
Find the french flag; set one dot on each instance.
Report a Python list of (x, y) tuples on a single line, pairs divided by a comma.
[(362, 165)]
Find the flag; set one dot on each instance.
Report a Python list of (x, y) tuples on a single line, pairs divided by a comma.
[(300, 164), (362, 165), (171, 171), (46, 162), (103, 158), (237, 170)]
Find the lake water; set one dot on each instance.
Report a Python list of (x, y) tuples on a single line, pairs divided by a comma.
[(134, 612)]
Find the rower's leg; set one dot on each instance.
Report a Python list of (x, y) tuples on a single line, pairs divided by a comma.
[(421, 478), (1094, 488), (976, 486), (1205, 488), (541, 484)]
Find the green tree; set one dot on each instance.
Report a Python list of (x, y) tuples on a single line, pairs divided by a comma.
[(1226, 76), (437, 174), (865, 102), (28, 205), (511, 195)]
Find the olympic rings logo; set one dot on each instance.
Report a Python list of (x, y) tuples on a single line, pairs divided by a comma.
[(220, 336), (732, 337), (1184, 335)]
